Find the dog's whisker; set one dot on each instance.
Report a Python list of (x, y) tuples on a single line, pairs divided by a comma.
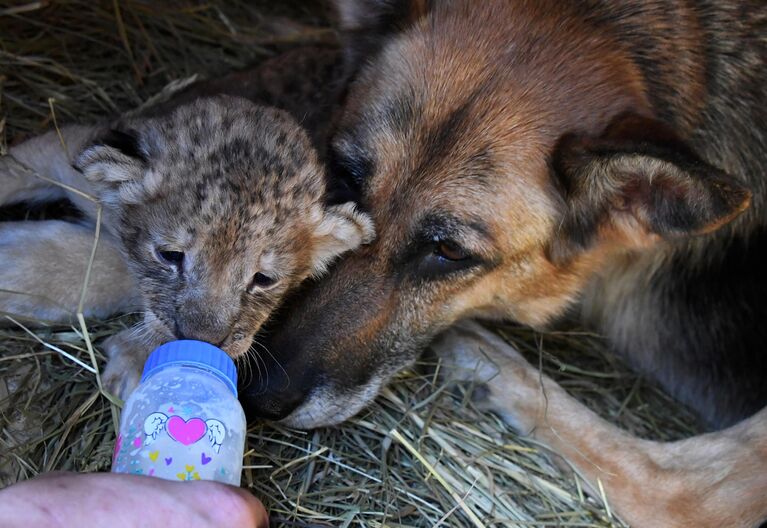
[(276, 361)]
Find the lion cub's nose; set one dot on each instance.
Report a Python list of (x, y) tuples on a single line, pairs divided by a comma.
[(203, 328)]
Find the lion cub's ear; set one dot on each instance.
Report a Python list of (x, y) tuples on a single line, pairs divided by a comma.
[(342, 228), (117, 166)]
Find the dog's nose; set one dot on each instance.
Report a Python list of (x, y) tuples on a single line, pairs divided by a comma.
[(273, 386), (270, 405)]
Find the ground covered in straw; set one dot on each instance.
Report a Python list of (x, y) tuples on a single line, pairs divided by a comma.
[(403, 461)]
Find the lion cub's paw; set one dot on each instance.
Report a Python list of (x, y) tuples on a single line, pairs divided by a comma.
[(127, 356)]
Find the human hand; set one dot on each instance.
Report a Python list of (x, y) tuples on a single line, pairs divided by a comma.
[(62, 500)]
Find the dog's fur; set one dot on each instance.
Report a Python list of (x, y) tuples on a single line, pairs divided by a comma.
[(522, 159), (713, 480)]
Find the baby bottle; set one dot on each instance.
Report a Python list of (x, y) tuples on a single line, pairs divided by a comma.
[(183, 421)]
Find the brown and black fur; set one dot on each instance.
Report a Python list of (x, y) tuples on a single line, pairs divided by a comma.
[(307, 82), (525, 159), (693, 323), (689, 77)]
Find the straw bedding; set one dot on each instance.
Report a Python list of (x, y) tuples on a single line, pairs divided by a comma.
[(421, 455)]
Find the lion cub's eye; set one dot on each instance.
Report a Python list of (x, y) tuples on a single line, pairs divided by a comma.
[(261, 281), (174, 259)]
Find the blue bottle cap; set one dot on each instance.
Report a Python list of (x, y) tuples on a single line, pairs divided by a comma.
[(193, 353)]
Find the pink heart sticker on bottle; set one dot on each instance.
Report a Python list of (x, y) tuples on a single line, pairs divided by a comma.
[(186, 432)]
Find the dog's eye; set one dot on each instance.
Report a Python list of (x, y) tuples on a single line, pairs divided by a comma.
[(444, 257), (450, 251), (174, 259), (261, 281)]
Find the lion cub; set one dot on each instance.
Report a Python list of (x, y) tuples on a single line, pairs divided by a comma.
[(217, 207)]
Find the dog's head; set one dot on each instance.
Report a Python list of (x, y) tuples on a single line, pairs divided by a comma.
[(504, 157)]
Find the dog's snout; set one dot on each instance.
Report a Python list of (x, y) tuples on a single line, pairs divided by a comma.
[(276, 396), (271, 405), (314, 357), (277, 379)]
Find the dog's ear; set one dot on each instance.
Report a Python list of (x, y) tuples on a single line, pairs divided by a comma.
[(636, 184), (342, 228), (366, 24), (117, 166)]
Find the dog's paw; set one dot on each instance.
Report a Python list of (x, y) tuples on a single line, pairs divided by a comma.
[(467, 353), (504, 382), (126, 362), (463, 357)]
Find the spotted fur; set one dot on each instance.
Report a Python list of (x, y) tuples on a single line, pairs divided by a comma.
[(232, 191)]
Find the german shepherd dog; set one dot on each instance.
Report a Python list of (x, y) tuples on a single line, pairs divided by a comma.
[(522, 159)]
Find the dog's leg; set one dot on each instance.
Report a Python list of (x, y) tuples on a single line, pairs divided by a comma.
[(713, 480), (40, 170), (43, 266)]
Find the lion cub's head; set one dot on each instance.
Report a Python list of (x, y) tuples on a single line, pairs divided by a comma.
[(220, 207)]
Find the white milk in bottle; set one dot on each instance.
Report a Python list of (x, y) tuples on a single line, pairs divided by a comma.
[(183, 421)]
